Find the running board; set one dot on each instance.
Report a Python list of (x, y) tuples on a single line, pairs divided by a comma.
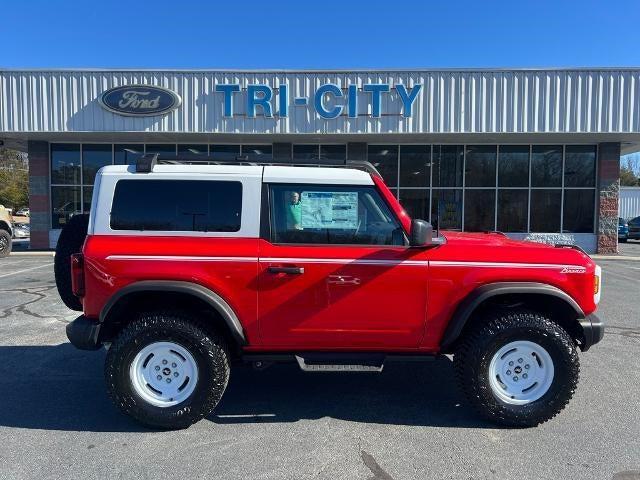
[(340, 363)]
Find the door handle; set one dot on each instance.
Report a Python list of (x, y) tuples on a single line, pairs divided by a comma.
[(287, 270)]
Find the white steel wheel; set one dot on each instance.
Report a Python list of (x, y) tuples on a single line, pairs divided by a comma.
[(520, 372), (164, 374)]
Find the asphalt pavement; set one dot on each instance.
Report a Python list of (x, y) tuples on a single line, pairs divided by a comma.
[(410, 422)]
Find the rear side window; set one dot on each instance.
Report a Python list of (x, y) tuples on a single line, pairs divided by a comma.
[(177, 205)]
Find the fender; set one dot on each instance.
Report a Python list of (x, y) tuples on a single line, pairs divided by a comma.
[(193, 289), (480, 294)]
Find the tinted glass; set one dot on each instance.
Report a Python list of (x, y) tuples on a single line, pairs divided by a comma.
[(224, 153), (258, 153), (127, 154), (87, 192), (65, 163), (416, 202), (335, 153), (479, 210), (579, 208), (333, 214), (65, 203), (197, 149), (545, 211), (177, 205), (415, 165), (446, 209), (306, 152), (546, 166), (385, 159), (93, 158), (513, 166), (579, 166), (162, 148), (448, 161), (513, 210), (480, 166)]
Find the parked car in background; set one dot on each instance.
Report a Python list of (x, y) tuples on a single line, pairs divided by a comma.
[(623, 230), (21, 230), (6, 231), (634, 229), (23, 212)]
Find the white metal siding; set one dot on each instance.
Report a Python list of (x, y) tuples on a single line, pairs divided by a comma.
[(629, 202), (517, 101)]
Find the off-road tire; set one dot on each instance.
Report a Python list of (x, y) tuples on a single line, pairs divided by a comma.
[(5, 247), (208, 350), (473, 356), (70, 241)]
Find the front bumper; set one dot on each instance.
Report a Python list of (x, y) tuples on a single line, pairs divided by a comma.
[(83, 333), (593, 331)]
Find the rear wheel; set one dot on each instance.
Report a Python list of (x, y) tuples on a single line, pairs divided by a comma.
[(517, 368), (5, 243), (166, 371)]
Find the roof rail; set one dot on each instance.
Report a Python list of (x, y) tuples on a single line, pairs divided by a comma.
[(146, 162)]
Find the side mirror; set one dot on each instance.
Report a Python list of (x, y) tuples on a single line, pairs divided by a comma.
[(421, 233)]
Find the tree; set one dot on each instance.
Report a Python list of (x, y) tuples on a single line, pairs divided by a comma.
[(630, 170), (14, 179)]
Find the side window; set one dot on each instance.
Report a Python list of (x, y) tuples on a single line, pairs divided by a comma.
[(332, 214), (177, 205)]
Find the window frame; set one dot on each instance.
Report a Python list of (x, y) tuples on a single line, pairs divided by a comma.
[(267, 231)]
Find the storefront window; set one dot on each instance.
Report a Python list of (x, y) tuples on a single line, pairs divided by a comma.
[(224, 153), (258, 153), (579, 208), (479, 210), (546, 166), (480, 166), (306, 153), (446, 209), (65, 163), (198, 149), (162, 148), (545, 210), (579, 166), (512, 210), (448, 161), (87, 193), (93, 158), (333, 153), (416, 202), (385, 159), (415, 165), (127, 154), (513, 166), (65, 203)]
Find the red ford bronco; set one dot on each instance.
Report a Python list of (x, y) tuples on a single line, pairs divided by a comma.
[(183, 269)]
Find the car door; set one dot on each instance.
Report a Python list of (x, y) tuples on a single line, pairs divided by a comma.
[(335, 271)]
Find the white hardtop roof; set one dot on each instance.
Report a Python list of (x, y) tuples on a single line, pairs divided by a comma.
[(271, 174)]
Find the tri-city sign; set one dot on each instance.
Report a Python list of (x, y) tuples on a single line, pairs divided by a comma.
[(328, 100)]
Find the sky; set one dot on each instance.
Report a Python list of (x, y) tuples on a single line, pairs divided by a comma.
[(318, 35)]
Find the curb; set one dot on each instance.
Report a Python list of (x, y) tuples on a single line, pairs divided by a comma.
[(616, 257), (33, 254)]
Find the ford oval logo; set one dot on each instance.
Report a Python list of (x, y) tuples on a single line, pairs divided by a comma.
[(139, 100)]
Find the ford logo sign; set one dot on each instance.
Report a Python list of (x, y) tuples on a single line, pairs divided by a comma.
[(139, 100)]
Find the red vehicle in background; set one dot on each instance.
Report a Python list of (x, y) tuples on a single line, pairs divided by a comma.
[(183, 269)]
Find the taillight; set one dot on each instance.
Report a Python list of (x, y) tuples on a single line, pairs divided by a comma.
[(77, 274), (597, 284)]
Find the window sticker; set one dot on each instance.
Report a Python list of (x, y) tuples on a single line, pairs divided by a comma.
[(329, 210)]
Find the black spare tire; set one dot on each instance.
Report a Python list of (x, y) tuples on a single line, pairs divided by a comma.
[(70, 242)]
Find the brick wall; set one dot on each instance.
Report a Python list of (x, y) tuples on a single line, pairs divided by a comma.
[(608, 195), (39, 192)]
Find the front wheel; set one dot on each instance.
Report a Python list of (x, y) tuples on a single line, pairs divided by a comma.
[(517, 368), (166, 371), (5, 243)]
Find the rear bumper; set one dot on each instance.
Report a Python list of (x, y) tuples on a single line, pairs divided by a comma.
[(83, 333), (593, 330)]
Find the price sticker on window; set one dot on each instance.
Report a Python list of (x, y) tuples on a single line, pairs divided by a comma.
[(329, 210)]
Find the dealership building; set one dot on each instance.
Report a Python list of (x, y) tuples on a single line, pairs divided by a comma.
[(532, 153)]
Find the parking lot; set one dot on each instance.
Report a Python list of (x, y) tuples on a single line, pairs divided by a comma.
[(408, 422)]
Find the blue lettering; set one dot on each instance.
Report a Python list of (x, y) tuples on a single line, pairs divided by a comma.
[(319, 101), (353, 101), (228, 97), (407, 98), (376, 90), (264, 100), (283, 100)]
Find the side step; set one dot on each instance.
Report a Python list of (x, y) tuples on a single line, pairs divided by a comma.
[(318, 362)]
